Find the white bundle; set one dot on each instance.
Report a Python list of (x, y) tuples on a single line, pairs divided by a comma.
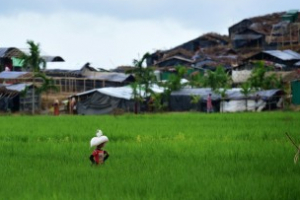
[(99, 139)]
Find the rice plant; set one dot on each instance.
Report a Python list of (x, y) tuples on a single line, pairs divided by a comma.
[(155, 156)]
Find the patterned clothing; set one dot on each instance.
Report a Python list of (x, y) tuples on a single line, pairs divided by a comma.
[(99, 156)]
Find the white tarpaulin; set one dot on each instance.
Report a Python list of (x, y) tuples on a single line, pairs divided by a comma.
[(118, 92), (240, 105), (125, 92), (234, 100)]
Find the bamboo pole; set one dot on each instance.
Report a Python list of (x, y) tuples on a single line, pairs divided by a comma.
[(33, 97), (84, 84), (75, 85), (60, 86)]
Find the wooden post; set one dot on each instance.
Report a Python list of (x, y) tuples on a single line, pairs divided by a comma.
[(71, 83), (84, 85), (291, 36), (75, 85), (60, 86), (298, 27), (33, 98)]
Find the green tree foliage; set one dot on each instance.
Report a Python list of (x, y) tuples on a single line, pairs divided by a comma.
[(158, 104), (136, 95), (272, 81), (219, 81), (47, 85), (196, 80), (174, 82), (34, 62), (144, 78), (195, 100), (259, 80)]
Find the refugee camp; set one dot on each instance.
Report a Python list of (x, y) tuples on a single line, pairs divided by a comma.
[(149, 100)]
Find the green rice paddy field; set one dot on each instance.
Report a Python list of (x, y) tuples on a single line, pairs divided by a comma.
[(152, 156)]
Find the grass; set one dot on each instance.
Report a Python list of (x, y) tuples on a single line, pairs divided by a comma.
[(167, 156)]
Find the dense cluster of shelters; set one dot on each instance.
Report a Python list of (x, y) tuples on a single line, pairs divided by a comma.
[(272, 38)]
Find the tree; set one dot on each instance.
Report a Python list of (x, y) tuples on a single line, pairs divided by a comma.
[(136, 96), (174, 82), (47, 85), (33, 62), (196, 79), (157, 102), (271, 82), (246, 90), (257, 75), (219, 81), (195, 100), (259, 80), (144, 78)]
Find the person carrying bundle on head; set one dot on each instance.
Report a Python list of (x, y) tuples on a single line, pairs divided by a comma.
[(99, 156)]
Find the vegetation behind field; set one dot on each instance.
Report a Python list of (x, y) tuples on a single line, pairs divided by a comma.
[(168, 156)]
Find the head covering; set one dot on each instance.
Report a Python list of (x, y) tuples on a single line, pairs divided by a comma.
[(99, 139)]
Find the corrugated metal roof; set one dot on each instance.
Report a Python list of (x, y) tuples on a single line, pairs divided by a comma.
[(11, 52), (297, 63), (65, 65), (15, 87), (12, 75), (180, 58), (53, 58), (282, 55), (124, 92), (176, 58), (3, 51), (246, 37), (293, 53), (18, 87), (113, 77), (234, 93), (16, 52), (204, 62)]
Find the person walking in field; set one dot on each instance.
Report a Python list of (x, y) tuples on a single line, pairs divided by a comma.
[(99, 156), (209, 105), (56, 107)]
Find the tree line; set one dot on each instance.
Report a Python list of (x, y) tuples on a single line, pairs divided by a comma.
[(219, 81)]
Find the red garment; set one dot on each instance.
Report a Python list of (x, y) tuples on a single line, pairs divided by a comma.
[(56, 109), (98, 156), (209, 102)]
